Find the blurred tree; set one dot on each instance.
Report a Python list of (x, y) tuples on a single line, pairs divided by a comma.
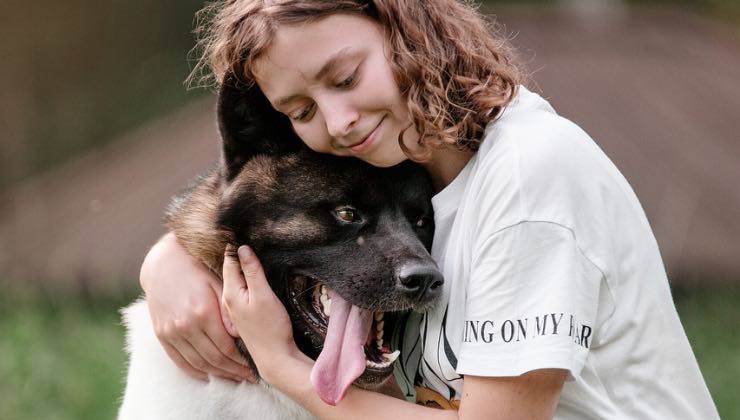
[(77, 73)]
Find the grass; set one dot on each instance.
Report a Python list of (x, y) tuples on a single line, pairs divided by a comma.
[(61, 357), (711, 318)]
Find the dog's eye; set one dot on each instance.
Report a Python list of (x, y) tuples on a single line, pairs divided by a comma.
[(422, 222), (347, 214)]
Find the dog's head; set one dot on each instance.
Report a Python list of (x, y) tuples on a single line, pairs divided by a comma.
[(325, 226)]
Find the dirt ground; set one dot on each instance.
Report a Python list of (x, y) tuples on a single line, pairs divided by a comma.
[(658, 90)]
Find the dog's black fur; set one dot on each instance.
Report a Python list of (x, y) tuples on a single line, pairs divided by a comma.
[(362, 231)]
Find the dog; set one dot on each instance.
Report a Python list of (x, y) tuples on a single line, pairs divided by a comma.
[(331, 233)]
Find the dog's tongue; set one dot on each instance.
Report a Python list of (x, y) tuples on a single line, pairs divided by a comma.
[(342, 359)]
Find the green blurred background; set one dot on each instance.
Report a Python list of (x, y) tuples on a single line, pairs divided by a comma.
[(99, 130)]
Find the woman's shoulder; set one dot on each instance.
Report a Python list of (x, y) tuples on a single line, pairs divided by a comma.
[(530, 128), (534, 163), (539, 141)]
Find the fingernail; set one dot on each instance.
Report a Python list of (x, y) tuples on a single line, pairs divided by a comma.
[(244, 251)]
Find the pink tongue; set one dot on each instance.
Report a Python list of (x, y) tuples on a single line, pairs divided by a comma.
[(342, 359)]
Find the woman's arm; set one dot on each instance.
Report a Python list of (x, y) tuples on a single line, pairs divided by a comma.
[(530, 396), (183, 298), (291, 376), (265, 326), (533, 395)]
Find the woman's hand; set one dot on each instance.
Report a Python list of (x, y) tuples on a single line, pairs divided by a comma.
[(258, 315), (183, 298)]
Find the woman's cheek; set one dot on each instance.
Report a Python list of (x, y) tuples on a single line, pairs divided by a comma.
[(311, 137)]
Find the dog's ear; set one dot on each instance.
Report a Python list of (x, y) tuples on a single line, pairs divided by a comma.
[(250, 126)]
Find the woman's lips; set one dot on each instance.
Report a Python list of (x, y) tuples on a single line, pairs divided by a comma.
[(369, 140)]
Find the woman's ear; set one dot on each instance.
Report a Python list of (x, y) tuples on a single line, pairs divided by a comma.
[(250, 126)]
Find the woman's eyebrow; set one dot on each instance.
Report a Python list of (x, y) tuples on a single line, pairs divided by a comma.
[(329, 66), (332, 62)]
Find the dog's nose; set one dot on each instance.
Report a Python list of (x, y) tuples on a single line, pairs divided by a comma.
[(419, 282)]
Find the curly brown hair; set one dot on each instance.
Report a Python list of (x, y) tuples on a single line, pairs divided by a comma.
[(451, 64)]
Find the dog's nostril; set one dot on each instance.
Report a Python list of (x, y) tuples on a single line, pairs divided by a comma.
[(418, 281), (412, 281)]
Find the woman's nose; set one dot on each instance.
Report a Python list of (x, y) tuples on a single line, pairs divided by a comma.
[(340, 118)]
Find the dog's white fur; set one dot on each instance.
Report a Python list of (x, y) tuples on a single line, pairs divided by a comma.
[(157, 389)]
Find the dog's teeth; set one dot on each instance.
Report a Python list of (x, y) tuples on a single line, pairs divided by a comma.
[(323, 290), (379, 334), (391, 357), (370, 363), (379, 326), (379, 343), (384, 364), (378, 316), (325, 304)]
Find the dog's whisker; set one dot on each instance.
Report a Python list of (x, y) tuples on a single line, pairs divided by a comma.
[(309, 289)]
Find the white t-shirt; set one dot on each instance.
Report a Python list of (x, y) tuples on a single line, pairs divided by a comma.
[(549, 262)]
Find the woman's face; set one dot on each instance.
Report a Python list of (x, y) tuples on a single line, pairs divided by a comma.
[(333, 79)]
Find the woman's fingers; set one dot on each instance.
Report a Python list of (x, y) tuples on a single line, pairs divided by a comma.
[(235, 292), (244, 278), (254, 274), (199, 361), (184, 297), (193, 342), (255, 310), (225, 345), (226, 321), (209, 351), (223, 335), (182, 363)]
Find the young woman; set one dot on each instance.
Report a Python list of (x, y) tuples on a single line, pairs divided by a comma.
[(555, 301)]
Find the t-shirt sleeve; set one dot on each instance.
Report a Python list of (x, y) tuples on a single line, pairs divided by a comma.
[(531, 303)]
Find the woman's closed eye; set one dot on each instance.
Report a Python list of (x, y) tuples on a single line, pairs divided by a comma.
[(349, 81), (303, 114)]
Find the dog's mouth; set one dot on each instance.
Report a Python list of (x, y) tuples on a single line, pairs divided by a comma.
[(312, 300)]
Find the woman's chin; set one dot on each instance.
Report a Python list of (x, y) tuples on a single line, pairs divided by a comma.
[(385, 158)]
